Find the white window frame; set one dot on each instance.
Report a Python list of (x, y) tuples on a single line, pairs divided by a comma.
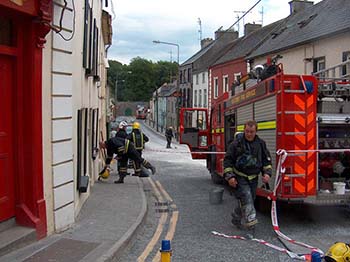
[(200, 98), (216, 87), (197, 77), (195, 98), (203, 78), (225, 83), (205, 98)]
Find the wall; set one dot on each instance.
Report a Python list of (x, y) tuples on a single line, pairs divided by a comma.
[(67, 89), (293, 59)]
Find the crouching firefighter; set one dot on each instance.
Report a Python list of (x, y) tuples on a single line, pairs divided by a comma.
[(246, 158), (124, 150)]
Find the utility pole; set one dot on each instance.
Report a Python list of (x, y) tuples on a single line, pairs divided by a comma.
[(200, 31), (262, 16)]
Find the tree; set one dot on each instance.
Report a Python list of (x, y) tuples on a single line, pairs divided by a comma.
[(138, 80)]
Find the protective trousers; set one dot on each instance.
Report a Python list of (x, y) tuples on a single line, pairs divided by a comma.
[(243, 210)]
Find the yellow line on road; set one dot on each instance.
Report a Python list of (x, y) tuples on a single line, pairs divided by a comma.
[(170, 233), (156, 191), (163, 191), (154, 239)]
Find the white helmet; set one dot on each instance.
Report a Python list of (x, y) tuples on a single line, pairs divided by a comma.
[(123, 124)]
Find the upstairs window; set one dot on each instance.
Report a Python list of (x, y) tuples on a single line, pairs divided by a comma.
[(216, 87), (225, 85)]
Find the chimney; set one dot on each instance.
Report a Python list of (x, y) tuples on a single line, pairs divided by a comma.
[(249, 28), (228, 35), (298, 5), (205, 42)]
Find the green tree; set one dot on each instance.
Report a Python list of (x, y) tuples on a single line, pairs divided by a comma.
[(138, 80)]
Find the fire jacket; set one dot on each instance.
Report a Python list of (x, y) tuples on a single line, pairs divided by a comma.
[(138, 138), (247, 159), (116, 145)]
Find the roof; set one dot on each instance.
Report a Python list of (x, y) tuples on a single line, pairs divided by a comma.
[(209, 54), (326, 18), (244, 45)]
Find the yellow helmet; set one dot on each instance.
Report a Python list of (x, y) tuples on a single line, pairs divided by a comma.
[(105, 173), (339, 252), (136, 125)]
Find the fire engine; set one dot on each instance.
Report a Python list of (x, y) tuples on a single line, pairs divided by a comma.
[(306, 115), (141, 112)]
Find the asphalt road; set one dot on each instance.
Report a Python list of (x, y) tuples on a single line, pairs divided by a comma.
[(188, 184)]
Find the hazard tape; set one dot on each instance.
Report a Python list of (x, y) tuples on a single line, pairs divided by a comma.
[(186, 152), (263, 242), (280, 170)]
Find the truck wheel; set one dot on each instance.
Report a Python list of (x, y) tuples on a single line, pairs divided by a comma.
[(216, 178)]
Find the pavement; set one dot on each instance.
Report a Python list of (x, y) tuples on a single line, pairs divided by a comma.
[(107, 223)]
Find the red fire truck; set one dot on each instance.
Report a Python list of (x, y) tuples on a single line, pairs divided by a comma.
[(306, 115)]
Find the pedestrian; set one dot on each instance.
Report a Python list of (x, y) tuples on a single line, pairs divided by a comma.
[(124, 150), (169, 135), (139, 139), (246, 158)]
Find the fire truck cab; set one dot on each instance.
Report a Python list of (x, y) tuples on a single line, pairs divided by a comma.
[(306, 115)]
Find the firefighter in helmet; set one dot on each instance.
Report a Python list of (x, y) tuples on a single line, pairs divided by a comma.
[(124, 150), (138, 137), (246, 158), (339, 252)]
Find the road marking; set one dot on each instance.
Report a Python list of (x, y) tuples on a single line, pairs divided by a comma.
[(154, 239), (170, 233), (156, 191), (163, 191)]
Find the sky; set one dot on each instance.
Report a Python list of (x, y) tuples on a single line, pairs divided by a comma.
[(137, 23)]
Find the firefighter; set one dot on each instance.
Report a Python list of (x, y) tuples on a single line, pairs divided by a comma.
[(137, 137), (246, 158), (124, 150), (169, 135), (122, 130)]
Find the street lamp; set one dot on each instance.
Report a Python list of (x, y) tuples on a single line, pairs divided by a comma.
[(177, 78)]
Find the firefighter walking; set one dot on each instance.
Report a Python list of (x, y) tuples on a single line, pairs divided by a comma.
[(246, 158)]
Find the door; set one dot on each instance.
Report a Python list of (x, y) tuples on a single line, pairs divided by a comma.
[(7, 192)]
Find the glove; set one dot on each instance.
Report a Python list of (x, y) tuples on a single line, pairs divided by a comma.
[(228, 176)]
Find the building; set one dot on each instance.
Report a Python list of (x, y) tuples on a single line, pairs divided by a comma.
[(53, 56)]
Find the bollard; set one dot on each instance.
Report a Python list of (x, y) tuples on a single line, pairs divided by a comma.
[(165, 251), (315, 256)]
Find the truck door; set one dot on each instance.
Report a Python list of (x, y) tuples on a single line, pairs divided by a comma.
[(194, 131)]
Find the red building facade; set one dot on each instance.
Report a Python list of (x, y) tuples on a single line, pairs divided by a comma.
[(24, 25)]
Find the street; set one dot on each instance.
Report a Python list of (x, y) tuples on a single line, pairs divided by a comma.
[(179, 209)]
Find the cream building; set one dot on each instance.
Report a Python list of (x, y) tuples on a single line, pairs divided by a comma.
[(74, 88)]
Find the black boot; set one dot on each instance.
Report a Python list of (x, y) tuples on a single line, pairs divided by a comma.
[(121, 179), (149, 166)]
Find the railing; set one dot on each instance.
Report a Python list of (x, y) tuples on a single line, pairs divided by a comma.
[(335, 72)]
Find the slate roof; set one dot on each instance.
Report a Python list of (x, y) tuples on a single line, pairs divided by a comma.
[(209, 54), (321, 20), (244, 45)]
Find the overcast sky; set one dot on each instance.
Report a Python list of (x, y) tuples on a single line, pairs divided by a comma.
[(138, 22)]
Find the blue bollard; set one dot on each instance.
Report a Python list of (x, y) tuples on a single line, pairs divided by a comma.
[(315, 256), (165, 251)]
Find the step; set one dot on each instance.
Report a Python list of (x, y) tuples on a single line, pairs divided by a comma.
[(7, 224), (16, 237)]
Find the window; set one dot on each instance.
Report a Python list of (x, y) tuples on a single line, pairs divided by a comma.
[(189, 75), (237, 76), (181, 80), (225, 86), (205, 98), (319, 64), (346, 68), (197, 76), (203, 78), (185, 72), (216, 87), (200, 98), (195, 98)]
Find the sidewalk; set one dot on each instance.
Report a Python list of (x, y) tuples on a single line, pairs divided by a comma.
[(107, 222)]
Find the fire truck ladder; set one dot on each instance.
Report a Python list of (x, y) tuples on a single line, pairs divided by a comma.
[(296, 130), (335, 81)]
